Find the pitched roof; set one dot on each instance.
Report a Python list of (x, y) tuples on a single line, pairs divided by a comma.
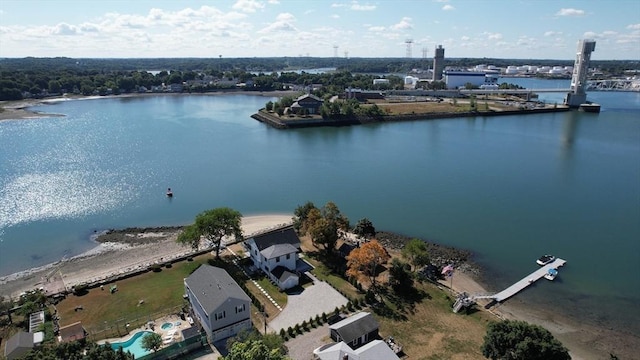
[(18, 345), (355, 326), (276, 250), (310, 96), (284, 235), (282, 273), (72, 332), (375, 350), (213, 286)]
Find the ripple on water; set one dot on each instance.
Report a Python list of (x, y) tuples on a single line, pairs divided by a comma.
[(62, 194)]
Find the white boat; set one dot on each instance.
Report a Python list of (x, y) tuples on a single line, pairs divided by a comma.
[(545, 259), (551, 274)]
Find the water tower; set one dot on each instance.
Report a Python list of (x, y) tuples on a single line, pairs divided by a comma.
[(578, 96)]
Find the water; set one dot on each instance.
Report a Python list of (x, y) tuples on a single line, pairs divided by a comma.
[(133, 345), (508, 188)]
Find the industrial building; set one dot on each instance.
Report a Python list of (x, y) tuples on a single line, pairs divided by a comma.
[(459, 79)]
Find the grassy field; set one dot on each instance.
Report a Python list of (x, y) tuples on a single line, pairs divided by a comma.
[(428, 328), (137, 300)]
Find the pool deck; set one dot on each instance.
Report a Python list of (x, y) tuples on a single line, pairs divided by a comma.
[(169, 336)]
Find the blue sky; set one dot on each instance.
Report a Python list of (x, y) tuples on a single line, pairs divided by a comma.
[(532, 29)]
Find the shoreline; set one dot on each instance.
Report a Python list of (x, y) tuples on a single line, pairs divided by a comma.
[(19, 109), (118, 251)]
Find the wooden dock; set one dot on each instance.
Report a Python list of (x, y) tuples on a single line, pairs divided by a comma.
[(524, 282)]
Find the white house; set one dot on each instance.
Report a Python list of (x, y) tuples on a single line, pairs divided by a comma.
[(276, 254), (220, 305)]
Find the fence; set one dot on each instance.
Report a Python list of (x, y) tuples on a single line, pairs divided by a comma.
[(123, 326)]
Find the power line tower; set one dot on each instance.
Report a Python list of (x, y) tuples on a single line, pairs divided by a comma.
[(424, 53), (335, 51), (408, 42), (346, 54)]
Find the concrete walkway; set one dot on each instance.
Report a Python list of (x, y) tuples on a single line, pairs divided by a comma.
[(314, 300)]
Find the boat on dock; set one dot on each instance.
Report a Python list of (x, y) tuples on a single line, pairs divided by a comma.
[(545, 259), (551, 274), (526, 281)]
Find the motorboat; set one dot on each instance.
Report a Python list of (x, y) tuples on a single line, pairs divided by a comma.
[(551, 274), (545, 259), (169, 192)]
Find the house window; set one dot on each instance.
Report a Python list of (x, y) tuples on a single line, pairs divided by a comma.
[(278, 259), (255, 251), (220, 315), (288, 256), (240, 308)]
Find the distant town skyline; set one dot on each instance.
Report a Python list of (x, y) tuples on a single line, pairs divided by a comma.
[(540, 29)]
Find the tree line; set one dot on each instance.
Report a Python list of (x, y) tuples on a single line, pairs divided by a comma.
[(36, 77)]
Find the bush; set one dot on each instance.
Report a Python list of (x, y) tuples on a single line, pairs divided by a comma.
[(283, 334), (297, 329), (155, 267), (290, 331), (80, 290), (324, 317)]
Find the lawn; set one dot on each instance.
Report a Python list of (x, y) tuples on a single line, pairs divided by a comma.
[(430, 330), (322, 272), (138, 299)]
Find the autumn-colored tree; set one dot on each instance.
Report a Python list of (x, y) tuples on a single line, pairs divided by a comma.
[(363, 262)]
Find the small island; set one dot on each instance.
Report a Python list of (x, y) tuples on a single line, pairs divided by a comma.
[(355, 107)]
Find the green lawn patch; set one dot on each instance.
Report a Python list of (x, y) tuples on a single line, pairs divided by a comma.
[(322, 272), (138, 299), (273, 291)]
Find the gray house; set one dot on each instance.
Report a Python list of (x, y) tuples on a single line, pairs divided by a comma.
[(220, 305), (18, 345), (355, 330)]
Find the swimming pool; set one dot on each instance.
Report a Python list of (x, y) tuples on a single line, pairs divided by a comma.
[(133, 345), (166, 326)]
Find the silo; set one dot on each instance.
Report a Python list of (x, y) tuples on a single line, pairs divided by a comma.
[(438, 63)]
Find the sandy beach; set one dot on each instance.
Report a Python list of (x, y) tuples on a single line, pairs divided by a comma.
[(112, 258), (585, 342)]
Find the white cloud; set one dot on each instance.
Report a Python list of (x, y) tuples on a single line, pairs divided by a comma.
[(404, 24), (552, 33), (248, 6), (377, 28), (493, 36), (633, 27), (65, 29), (465, 38), (334, 5), (274, 2), (570, 12), (284, 23), (358, 7), (448, 8)]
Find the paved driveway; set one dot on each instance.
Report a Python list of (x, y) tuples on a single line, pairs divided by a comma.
[(314, 300)]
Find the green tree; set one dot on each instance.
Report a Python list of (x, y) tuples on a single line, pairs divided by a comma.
[(518, 340), (214, 225), (364, 228), (325, 226), (415, 251), (301, 215), (152, 341), (253, 350), (400, 277)]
